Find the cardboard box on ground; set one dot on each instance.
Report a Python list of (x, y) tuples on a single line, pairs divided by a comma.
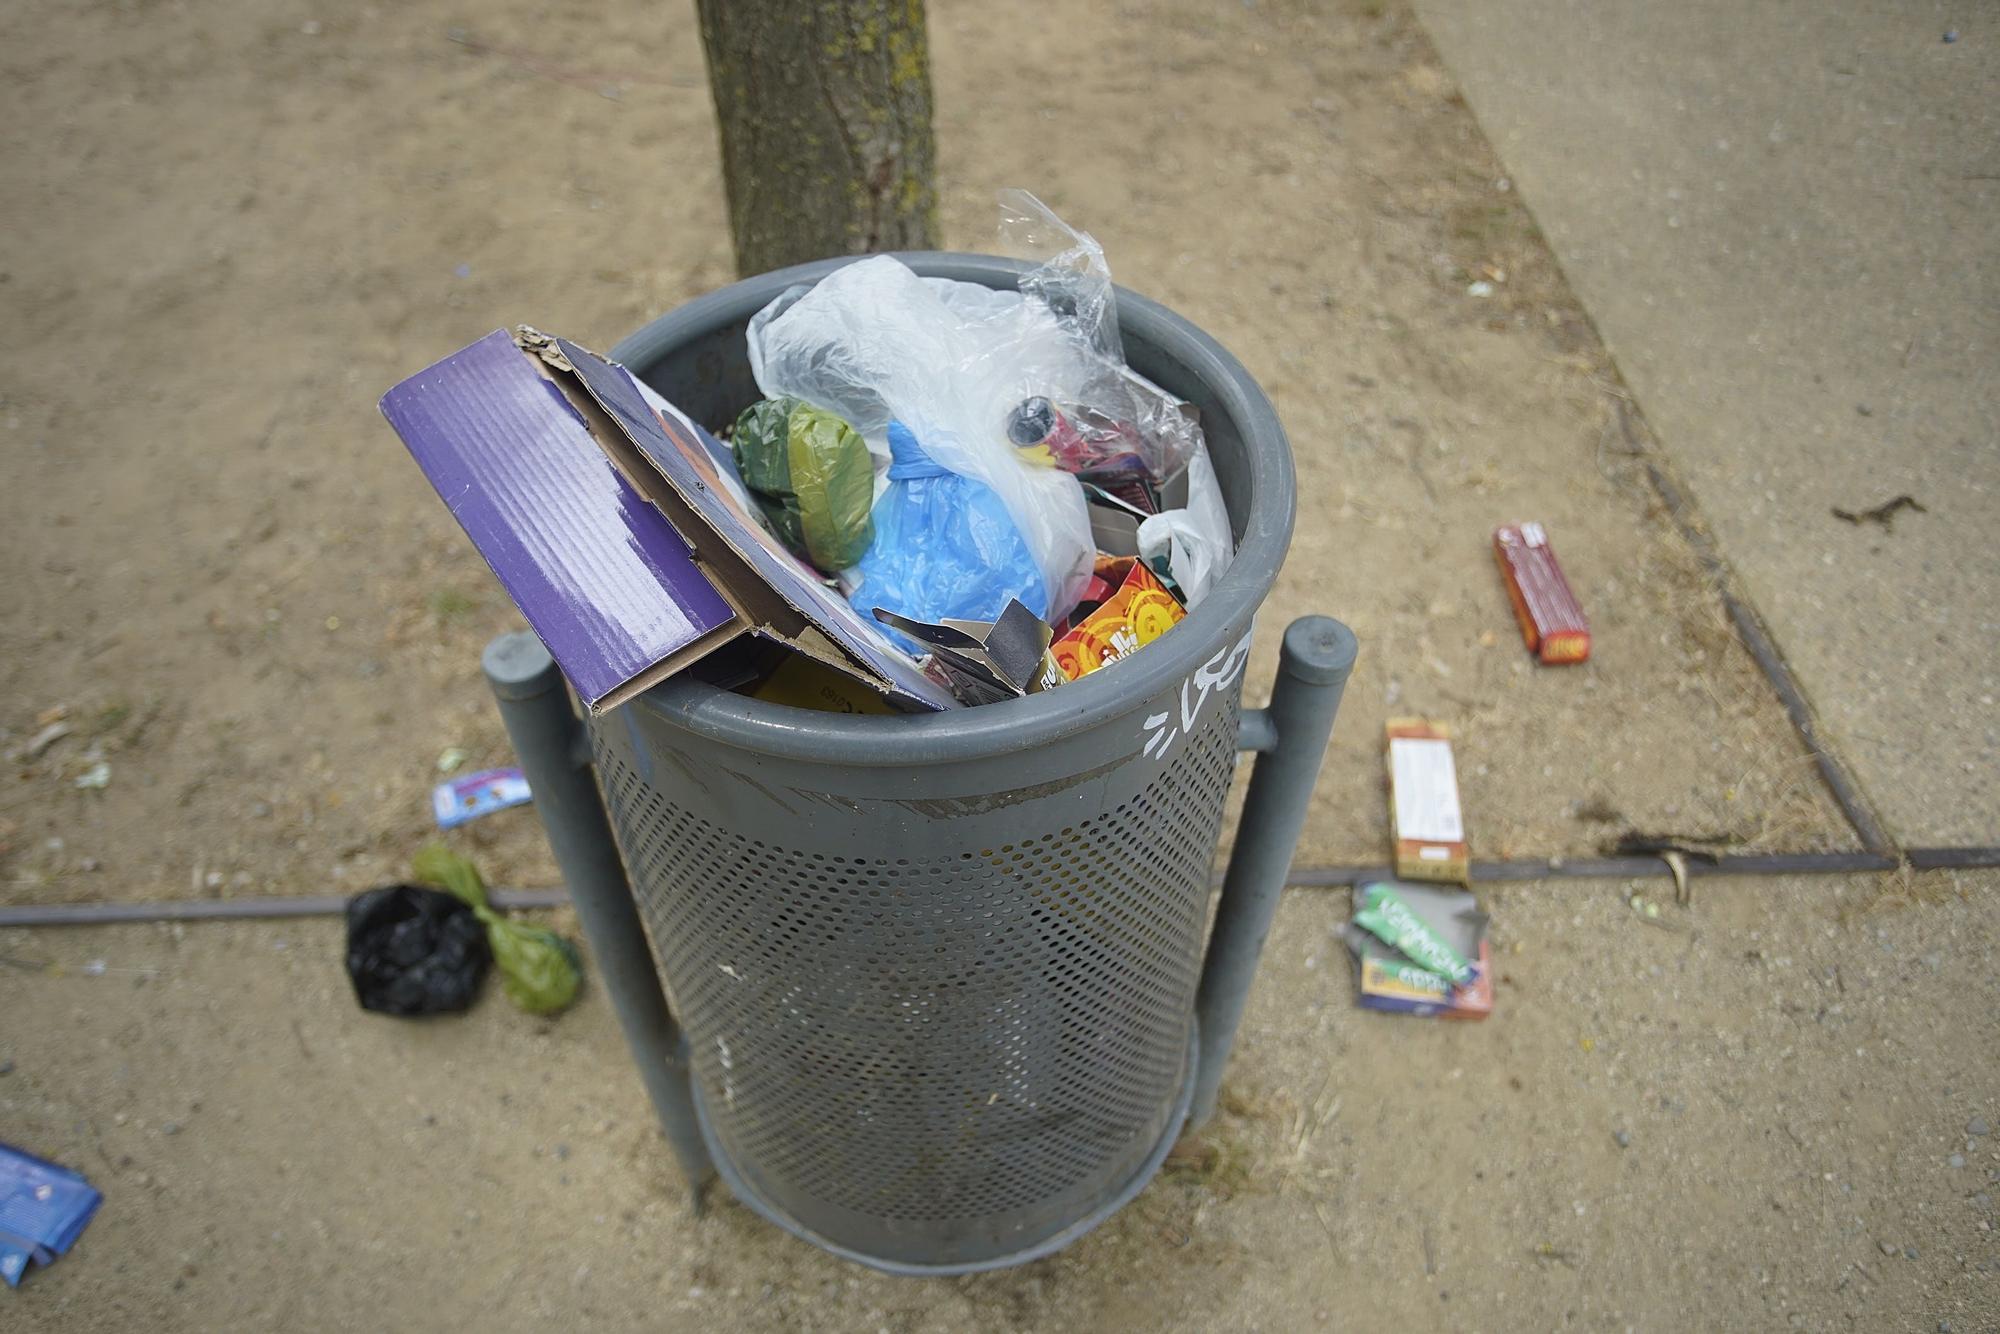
[(1423, 802), (1406, 957)]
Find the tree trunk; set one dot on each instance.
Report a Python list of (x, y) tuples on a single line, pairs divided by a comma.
[(825, 111)]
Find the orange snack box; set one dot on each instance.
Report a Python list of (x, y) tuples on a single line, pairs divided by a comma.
[(1139, 610)]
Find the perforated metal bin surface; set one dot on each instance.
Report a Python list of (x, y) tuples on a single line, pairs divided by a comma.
[(931, 1019), (938, 974)]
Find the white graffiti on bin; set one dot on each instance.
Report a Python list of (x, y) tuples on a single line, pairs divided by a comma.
[(1215, 675)]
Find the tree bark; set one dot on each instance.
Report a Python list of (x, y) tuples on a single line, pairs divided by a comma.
[(825, 113)]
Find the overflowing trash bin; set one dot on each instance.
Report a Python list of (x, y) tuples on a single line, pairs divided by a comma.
[(932, 988)]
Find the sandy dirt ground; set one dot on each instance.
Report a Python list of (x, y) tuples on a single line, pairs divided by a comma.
[(262, 619), (1753, 1117), (229, 227)]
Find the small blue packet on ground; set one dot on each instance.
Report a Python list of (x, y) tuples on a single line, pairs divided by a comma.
[(945, 548), (463, 799), (43, 1209)]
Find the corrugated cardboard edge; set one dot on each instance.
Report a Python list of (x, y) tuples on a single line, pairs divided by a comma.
[(672, 665), (760, 609), (729, 569), (540, 350), (547, 359)]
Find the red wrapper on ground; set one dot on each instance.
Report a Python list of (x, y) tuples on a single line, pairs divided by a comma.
[(1552, 621)]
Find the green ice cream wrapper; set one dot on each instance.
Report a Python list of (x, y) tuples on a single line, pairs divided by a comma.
[(1390, 920), (1413, 977)]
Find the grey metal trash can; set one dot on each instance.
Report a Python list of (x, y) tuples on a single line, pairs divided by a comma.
[(937, 977)]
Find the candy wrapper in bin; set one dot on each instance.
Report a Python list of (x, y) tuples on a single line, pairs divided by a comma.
[(1138, 611)]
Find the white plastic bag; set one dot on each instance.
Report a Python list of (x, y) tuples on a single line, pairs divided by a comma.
[(1070, 276), (956, 362), (875, 343), (1196, 540), (1073, 280), (1114, 404)]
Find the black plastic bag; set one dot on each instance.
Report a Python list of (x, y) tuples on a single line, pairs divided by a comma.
[(412, 951)]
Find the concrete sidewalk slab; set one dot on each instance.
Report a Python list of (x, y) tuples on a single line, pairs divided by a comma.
[(1785, 219)]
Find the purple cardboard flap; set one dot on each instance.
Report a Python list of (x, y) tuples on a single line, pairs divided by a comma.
[(599, 572)]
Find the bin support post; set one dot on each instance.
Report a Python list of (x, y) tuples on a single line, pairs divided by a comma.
[(548, 739), (1313, 663)]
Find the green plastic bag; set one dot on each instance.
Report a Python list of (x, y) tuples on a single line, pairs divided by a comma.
[(812, 477), (539, 970)]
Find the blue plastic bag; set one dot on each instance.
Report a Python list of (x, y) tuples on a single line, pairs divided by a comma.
[(43, 1209), (944, 545)]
